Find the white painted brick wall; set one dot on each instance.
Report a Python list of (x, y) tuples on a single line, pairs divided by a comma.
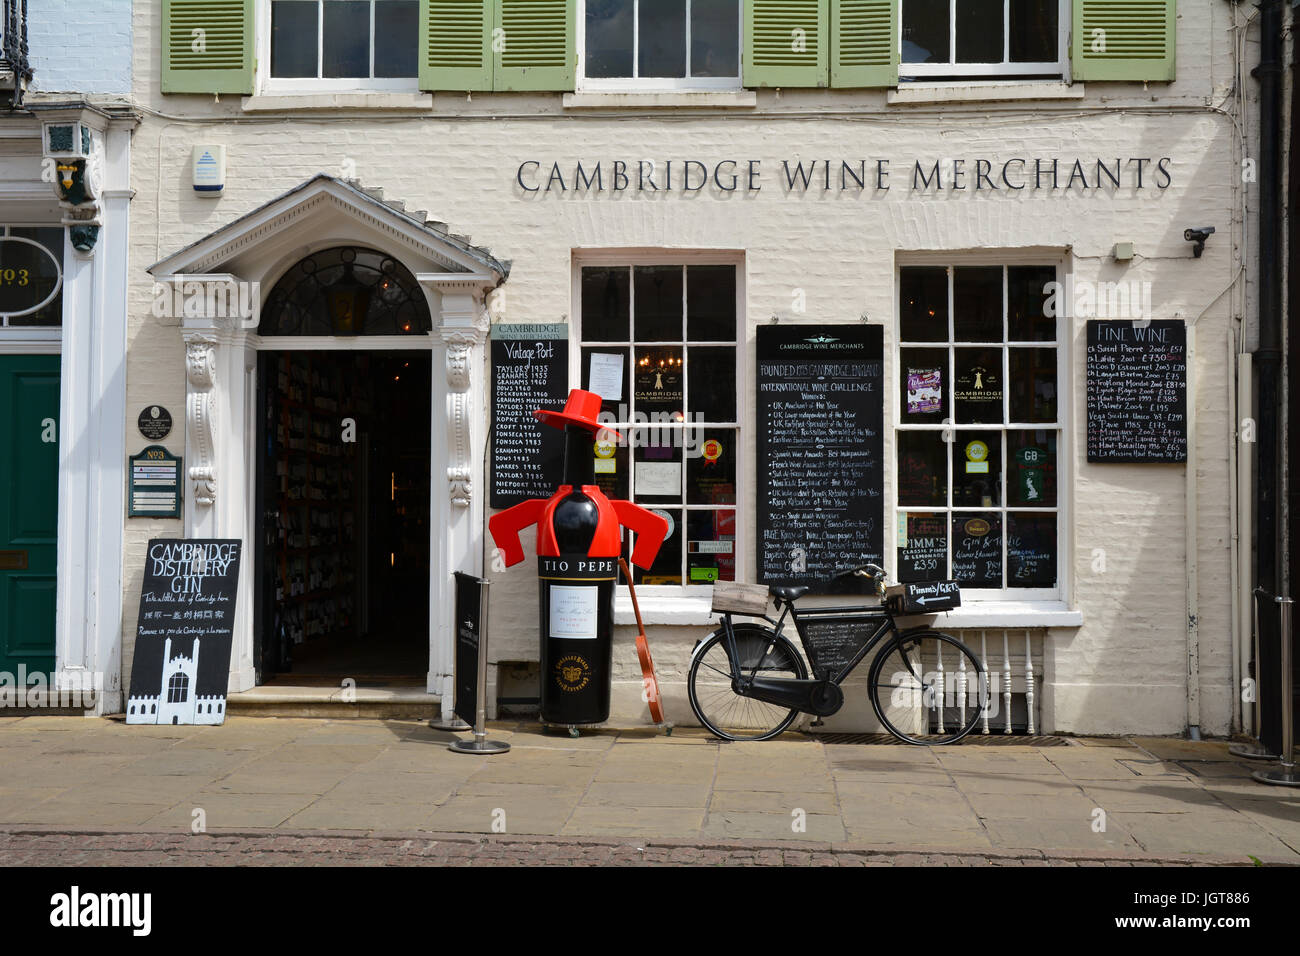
[(1124, 669)]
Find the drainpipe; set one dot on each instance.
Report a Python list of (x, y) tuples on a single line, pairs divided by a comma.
[(1268, 361), (1191, 548)]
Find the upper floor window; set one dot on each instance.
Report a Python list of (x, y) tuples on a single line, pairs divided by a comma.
[(343, 44), (661, 44), (978, 39)]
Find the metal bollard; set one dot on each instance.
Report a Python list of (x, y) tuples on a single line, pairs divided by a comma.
[(1257, 750), (1286, 775), (480, 744)]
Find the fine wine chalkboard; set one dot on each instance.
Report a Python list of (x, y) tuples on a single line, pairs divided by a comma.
[(1137, 391), (835, 641), (183, 633), (820, 454), (530, 370)]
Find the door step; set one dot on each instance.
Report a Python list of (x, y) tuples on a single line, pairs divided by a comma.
[(335, 702)]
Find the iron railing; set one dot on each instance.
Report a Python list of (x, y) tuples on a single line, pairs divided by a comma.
[(13, 49)]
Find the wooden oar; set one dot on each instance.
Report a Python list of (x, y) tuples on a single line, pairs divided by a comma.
[(649, 682)]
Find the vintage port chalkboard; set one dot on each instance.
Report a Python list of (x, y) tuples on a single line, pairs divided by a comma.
[(530, 370), (836, 639), (183, 632), (1137, 391), (820, 396)]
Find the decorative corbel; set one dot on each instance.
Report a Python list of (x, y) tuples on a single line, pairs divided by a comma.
[(200, 407), (76, 153), (460, 345)]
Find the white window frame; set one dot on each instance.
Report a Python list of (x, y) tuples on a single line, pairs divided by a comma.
[(656, 84), (744, 463), (1003, 70), (271, 85), (1065, 440)]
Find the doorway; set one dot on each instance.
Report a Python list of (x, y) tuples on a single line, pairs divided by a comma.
[(343, 532)]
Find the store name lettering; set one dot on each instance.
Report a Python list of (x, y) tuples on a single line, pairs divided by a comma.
[(826, 175)]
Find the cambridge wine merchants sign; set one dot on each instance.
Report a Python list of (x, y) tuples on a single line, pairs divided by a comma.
[(183, 633)]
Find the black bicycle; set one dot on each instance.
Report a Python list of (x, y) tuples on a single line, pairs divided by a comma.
[(747, 681)]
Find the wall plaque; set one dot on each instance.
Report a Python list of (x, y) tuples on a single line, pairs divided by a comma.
[(155, 489)]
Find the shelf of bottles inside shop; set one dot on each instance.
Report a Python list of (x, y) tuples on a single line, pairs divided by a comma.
[(316, 480)]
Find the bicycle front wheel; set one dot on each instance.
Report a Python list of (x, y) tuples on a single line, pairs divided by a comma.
[(725, 713), (928, 688)]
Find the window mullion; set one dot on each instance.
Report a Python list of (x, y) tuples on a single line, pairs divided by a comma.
[(687, 58), (320, 39), (636, 39), (952, 33), (1006, 32)]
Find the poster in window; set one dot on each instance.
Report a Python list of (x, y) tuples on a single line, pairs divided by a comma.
[(977, 550), (922, 546), (658, 384), (978, 391), (924, 391)]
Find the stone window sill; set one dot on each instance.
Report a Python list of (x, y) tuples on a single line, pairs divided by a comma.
[(390, 102), (695, 611), (918, 94), (713, 99)]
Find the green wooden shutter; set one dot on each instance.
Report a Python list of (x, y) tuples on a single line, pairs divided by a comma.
[(455, 44), (207, 46), (864, 43), (786, 43), (1123, 40), (536, 46)]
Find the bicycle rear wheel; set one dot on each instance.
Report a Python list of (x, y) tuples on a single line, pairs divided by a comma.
[(725, 713), (928, 688)]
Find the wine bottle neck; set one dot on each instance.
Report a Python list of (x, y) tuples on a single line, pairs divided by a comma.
[(579, 457)]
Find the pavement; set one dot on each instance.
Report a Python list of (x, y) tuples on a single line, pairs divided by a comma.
[(277, 790)]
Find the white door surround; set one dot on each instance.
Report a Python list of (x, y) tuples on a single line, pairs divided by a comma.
[(218, 282)]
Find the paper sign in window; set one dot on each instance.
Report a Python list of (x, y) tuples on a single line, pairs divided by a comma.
[(659, 478), (606, 378), (573, 612)]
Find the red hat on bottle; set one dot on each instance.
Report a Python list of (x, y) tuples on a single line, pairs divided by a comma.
[(581, 409)]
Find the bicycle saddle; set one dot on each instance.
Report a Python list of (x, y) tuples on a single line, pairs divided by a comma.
[(790, 594)]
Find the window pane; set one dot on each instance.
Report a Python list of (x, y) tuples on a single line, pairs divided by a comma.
[(42, 274), (978, 389), (715, 38), (657, 458), (924, 305), (605, 304), (1034, 35), (667, 566), (711, 303), (977, 469), (712, 376), (661, 38), (657, 384), (711, 546), (977, 304), (1033, 385), (657, 303), (925, 31), (293, 38), (1031, 550), (612, 470), (607, 355), (711, 467), (923, 552), (397, 32), (977, 550), (1031, 464), (1027, 318), (979, 31), (922, 468), (609, 38), (924, 386), (346, 46)]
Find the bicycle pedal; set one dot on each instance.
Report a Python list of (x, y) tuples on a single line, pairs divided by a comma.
[(818, 723)]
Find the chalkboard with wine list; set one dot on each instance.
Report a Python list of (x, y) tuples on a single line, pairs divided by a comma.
[(530, 370), (1137, 391), (820, 398)]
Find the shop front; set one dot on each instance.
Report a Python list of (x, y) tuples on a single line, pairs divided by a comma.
[(357, 380)]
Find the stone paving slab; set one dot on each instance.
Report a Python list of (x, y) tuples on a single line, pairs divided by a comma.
[(378, 776)]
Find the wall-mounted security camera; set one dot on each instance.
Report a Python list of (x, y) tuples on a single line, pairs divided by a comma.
[(1198, 236)]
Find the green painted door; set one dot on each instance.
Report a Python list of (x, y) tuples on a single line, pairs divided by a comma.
[(29, 509)]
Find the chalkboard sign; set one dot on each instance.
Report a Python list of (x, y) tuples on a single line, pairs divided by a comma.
[(836, 640), (469, 625), (530, 370), (922, 546), (183, 632), (820, 454), (977, 550), (1137, 391), (1031, 551)]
